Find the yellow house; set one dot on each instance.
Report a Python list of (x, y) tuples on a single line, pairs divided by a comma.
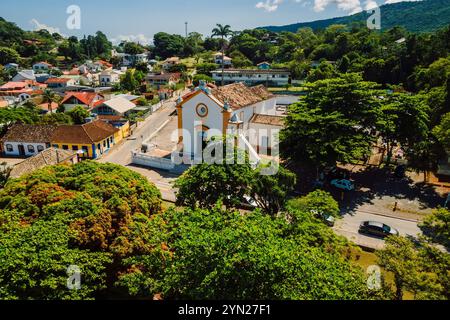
[(90, 140), (119, 123)]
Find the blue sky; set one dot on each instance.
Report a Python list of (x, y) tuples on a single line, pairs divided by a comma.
[(140, 19)]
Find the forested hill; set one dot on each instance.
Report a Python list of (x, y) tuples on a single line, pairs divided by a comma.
[(421, 16)]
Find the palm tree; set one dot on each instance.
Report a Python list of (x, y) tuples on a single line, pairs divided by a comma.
[(223, 32), (49, 97)]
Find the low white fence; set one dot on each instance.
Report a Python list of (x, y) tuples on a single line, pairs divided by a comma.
[(152, 162)]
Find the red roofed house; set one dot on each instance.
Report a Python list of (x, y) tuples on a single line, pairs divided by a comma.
[(60, 83), (87, 100)]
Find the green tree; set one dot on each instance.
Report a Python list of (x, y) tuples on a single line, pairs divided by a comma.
[(79, 114), (90, 215), (216, 254), (442, 132), (49, 97), (8, 55), (437, 226), (222, 31), (335, 121), (270, 191), (129, 81), (319, 200)]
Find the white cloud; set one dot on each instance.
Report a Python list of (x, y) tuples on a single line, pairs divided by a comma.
[(269, 5), (138, 38), (40, 26), (352, 6), (370, 4)]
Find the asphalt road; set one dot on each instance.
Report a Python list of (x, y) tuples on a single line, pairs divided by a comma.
[(121, 154), (348, 227)]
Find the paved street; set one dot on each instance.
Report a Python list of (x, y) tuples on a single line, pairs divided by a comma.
[(349, 225), (122, 154)]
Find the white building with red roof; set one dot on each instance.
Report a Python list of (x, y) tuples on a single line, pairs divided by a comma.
[(88, 100)]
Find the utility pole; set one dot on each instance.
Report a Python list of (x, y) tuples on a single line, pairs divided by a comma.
[(186, 28)]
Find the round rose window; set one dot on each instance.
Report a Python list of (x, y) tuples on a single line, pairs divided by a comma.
[(202, 110)]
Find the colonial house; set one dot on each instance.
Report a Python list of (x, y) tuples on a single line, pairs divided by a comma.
[(88, 100), (118, 106), (90, 140), (48, 157), (42, 67), (227, 61), (23, 140), (60, 84), (211, 110), (162, 79), (21, 91), (273, 77), (109, 77), (129, 60)]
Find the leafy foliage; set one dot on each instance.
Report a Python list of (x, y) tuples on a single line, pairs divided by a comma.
[(90, 215)]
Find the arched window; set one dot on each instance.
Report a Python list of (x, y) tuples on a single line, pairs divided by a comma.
[(40, 148), (9, 148), (30, 149)]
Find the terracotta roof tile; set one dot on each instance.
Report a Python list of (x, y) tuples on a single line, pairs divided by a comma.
[(29, 133), (239, 95), (268, 120), (89, 133)]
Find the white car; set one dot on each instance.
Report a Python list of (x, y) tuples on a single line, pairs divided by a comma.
[(343, 184)]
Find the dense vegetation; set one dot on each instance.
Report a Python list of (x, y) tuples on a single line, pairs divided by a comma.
[(107, 221), (90, 215), (427, 15)]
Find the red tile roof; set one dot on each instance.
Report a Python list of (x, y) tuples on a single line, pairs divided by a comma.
[(57, 80), (239, 95), (89, 133), (14, 86), (87, 98)]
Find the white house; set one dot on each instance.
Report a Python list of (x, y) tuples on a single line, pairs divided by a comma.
[(227, 61), (273, 77), (42, 67), (118, 106), (60, 83), (109, 77), (248, 112), (23, 140), (170, 62), (24, 75)]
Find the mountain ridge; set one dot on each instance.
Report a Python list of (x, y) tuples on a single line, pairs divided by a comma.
[(417, 16)]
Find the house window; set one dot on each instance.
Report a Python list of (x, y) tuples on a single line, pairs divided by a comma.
[(40, 148), (9, 148), (99, 146), (65, 147), (56, 146), (74, 148), (30, 149), (85, 150)]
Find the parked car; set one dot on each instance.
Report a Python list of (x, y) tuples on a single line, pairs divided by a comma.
[(377, 229), (343, 184), (332, 173), (329, 220)]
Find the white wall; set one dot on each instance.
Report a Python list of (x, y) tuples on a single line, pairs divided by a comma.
[(214, 120), (15, 151)]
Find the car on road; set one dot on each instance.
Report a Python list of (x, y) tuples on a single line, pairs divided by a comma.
[(326, 218), (377, 229), (343, 184)]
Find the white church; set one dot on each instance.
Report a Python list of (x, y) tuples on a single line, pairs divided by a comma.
[(252, 114)]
